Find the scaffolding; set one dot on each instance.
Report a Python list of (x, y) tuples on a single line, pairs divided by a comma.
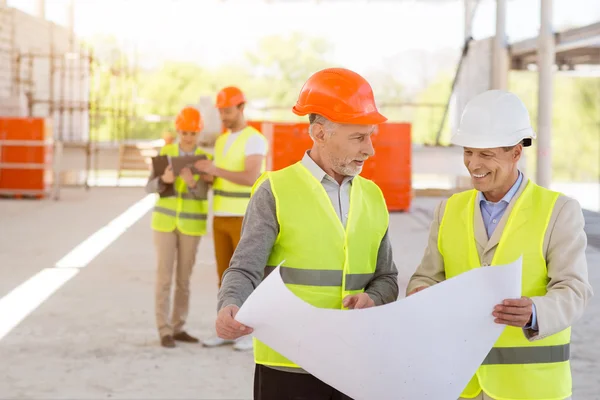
[(6, 40), (88, 98)]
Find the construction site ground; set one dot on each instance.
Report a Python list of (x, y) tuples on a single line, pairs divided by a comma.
[(94, 337)]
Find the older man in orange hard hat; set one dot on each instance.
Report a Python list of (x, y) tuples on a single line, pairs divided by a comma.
[(334, 238), (178, 221), (239, 160)]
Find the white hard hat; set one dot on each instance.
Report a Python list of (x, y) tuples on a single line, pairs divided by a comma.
[(494, 118)]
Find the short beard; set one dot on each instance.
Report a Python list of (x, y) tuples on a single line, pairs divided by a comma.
[(344, 169)]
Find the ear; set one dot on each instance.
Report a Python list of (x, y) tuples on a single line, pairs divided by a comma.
[(242, 106), (319, 134), (517, 152)]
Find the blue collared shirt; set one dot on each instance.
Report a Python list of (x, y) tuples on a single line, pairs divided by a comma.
[(492, 213)]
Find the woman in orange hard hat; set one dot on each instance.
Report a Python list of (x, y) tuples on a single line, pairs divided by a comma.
[(178, 221), (333, 239), (239, 160)]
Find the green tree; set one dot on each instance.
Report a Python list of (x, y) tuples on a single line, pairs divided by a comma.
[(427, 117), (165, 91), (112, 86), (281, 65), (389, 94), (575, 121)]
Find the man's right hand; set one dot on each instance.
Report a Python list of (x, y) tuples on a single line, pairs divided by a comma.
[(227, 327), (167, 176), (207, 178), (417, 290)]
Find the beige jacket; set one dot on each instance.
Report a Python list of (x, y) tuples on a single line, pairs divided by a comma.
[(564, 246)]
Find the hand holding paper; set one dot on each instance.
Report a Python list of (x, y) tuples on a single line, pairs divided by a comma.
[(358, 301), (417, 290), (426, 346), (514, 312), (227, 326)]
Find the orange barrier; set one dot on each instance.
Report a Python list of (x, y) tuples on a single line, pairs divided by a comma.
[(26, 148), (256, 125), (287, 143), (390, 168)]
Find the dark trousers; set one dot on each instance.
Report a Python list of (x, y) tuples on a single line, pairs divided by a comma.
[(271, 384)]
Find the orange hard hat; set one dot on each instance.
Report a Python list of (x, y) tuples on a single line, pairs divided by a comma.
[(189, 120), (340, 95), (230, 97)]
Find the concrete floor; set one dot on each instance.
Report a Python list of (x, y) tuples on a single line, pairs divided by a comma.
[(95, 336)]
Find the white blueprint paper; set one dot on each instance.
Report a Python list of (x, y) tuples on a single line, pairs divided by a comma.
[(426, 346)]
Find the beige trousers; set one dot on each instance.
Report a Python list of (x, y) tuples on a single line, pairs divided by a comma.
[(171, 247), (483, 396)]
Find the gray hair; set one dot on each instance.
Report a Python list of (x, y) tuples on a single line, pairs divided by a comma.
[(522, 142), (328, 126)]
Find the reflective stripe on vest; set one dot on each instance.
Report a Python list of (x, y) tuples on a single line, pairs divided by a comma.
[(515, 368), (528, 355), (174, 213), (317, 277), (230, 197), (184, 211), (235, 195), (324, 261)]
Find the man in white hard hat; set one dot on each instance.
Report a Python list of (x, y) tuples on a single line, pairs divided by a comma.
[(504, 217)]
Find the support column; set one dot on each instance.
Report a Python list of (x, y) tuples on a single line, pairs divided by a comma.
[(546, 56), (40, 9), (500, 65), (71, 24), (469, 8), (461, 91)]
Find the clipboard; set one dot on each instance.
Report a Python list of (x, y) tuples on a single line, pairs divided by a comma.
[(179, 163), (159, 164)]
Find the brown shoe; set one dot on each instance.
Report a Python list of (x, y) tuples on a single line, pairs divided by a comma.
[(183, 336), (167, 341)]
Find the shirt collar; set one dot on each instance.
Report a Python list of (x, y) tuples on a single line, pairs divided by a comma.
[(187, 152), (508, 196), (317, 171)]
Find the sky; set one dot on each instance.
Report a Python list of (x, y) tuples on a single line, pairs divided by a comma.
[(365, 34)]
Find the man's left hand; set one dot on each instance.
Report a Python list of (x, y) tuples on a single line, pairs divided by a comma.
[(357, 301), (514, 312), (206, 166)]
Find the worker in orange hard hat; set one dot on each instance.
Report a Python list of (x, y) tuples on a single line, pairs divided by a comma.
[(239, 160), (333, 239), (178, 221), (168, 137)]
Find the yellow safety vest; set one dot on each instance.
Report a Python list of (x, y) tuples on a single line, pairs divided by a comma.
[(182, 211), (228, 196), (324, 262), (515, 368)]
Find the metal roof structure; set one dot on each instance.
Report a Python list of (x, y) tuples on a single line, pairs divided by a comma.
[(577, 46)]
